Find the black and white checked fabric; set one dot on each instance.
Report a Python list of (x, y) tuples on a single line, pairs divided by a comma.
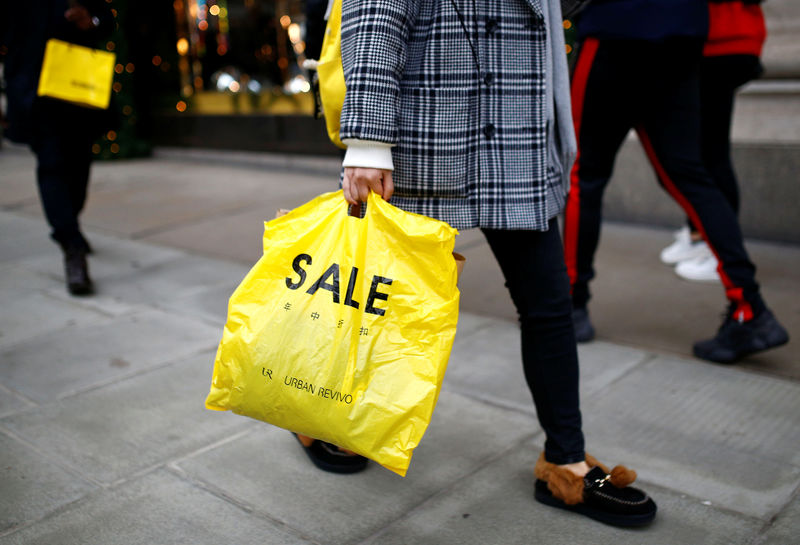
[(459, 87)]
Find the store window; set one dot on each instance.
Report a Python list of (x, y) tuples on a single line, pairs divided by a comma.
[(242, 56)]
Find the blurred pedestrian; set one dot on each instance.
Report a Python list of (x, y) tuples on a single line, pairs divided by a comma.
[(639, 67), (731, 54), (59, 133), (460, 111)]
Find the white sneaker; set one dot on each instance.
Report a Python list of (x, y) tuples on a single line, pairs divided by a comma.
[(700, 269), (683, 248)]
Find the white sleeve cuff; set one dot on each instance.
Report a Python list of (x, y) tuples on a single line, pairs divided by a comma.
[(367, 154)]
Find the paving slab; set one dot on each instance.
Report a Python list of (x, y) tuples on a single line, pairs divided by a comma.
[(786, 528), (81, 357), (496, 505), (268, 472), (640, 302), (238, 234), (160, 283), (32, 311), (322, 165), (720, 434), (209, 304), (113, 256), (486, 363), (31, 486), (18, 176), (11, 402), (182, 195), (158, 508), (23, 237), (235, 236), (112, 432)]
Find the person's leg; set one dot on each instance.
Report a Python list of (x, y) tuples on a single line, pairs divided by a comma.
[(566, 477), (602, 112), (81, 160), (55, 177), (670, 136), (720, 77), (533, 265), (79, 181)]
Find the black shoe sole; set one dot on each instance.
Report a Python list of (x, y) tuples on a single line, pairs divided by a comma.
[(623, 521), (354, 463), (766, 345), (80, 289)]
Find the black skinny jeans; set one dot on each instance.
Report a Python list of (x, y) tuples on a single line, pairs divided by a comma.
[(533, 265)]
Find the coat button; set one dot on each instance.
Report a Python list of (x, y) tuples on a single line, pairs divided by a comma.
[(489, 130), (491, 26), (488, 79)]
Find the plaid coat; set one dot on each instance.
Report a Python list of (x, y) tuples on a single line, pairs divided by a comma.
[(459, 87)]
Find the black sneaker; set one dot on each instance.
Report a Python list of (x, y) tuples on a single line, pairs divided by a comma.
[(584, 332), (736, 339)]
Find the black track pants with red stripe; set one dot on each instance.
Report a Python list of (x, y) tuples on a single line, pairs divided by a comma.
[(652, 87)]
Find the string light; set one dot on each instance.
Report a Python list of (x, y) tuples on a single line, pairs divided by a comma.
[(182, 46)]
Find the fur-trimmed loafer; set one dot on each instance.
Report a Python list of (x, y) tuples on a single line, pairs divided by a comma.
[(601, 494)]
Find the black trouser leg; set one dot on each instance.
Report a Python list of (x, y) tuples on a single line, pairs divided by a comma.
[(670, 135), (62, 174), (603, 114), (720, 77), (533, 265)]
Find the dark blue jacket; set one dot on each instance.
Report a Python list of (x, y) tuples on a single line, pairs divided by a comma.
[(649, 20)]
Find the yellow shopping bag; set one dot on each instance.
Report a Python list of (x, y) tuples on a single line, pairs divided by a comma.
[(331, 74), (77, 74), (343, 329)]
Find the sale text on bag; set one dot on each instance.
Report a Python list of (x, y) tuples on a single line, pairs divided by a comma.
[(329, 280)]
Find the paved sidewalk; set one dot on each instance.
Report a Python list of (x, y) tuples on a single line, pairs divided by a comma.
[(104, 438)]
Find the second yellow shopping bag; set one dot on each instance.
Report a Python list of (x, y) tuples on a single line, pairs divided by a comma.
[(77, 74), (343, 329)]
